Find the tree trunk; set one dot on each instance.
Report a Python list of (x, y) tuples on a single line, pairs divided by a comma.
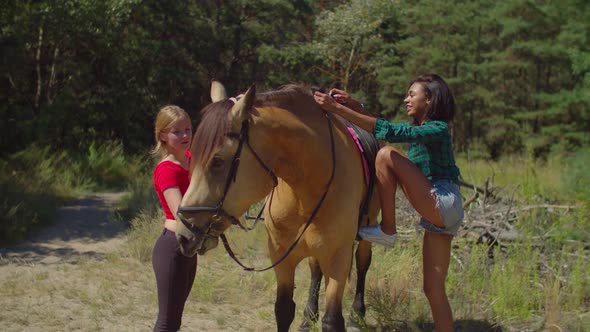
[(38, 68)]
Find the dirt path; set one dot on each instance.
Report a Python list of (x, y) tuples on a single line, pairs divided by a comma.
[(62, 278), (83, 229)]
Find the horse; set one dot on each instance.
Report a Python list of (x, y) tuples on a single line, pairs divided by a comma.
[(281, 145)]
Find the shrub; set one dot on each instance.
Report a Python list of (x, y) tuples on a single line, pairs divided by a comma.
[(34, 181), (22, 211), (108, 167), (143, 234), (140, 197), (575, 178)]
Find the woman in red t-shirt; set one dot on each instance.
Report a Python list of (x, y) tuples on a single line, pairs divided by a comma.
[(174, 272)]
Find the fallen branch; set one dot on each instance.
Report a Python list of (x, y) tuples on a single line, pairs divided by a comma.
[(540, 206), (470, 200), (479, 190), (549, 206)]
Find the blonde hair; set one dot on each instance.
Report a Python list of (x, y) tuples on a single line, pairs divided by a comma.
[(166, 118)]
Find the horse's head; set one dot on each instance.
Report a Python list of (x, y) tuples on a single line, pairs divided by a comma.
[(228, 173)]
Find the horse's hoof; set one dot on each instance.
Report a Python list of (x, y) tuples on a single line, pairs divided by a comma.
[(355, 323), (306, 326)]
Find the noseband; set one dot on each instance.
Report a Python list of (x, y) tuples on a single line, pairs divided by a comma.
[(217, 210)]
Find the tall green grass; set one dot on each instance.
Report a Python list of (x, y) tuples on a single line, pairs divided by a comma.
[(141, 199), (33, 182), (575, 180), (540, 280)]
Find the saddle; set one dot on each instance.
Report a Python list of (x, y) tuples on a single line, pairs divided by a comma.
[(368, 146)]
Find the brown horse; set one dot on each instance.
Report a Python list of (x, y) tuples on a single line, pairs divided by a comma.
[(281, 139)]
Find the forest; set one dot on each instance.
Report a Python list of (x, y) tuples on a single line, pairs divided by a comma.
[(82, 80), (83, 72)]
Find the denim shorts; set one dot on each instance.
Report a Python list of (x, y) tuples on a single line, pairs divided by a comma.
[(448, 200)]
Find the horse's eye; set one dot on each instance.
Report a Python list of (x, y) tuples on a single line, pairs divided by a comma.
[(216, 162)]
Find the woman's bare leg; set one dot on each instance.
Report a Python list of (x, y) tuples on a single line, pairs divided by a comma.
[(387, 186), (394, 168), (436, 254)]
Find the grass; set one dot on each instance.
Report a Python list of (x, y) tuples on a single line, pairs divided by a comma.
[(539, 280), (530, 285)]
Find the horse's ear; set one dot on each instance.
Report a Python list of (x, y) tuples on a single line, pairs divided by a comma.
[(241, 110), (217, 91)]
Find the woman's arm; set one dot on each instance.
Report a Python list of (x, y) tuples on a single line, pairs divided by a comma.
[(173, 198), (329, 104), (430, 131)]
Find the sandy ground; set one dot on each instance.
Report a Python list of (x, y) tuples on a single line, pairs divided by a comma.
[(83, 229), (63, 279)]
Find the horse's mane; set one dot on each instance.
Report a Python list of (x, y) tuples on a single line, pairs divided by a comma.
[(284, 93), (215, 124)]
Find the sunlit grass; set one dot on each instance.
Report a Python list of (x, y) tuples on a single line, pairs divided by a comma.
[(524, 176), (516, 288), (540, 281)]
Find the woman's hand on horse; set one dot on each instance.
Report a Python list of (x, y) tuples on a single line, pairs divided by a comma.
[(329, 104), (326, 102), (342, 97)]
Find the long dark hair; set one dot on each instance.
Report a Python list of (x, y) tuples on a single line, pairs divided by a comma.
[(442, 102)]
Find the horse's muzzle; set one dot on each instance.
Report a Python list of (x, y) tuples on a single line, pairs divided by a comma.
[(188, 245), (191, 245), (198, 239)]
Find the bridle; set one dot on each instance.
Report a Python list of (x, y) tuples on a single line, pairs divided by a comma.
[(219, 213)]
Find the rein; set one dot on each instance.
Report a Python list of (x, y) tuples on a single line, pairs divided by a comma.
[(313, 214), (219, 213)]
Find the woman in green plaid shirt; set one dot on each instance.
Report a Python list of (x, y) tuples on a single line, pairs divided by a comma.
[(428, 176)]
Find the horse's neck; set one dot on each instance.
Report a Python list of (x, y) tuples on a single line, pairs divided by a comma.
[(300, 148)]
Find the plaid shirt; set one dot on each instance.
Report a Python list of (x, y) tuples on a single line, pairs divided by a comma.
[(430, 146)]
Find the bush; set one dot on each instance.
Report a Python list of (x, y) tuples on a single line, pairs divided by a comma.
[(144, 231), (575, 178), (108, 167), (41, 169), (29, 197), (103, 167), (34, 181), (22, 211), (141, 207), (141, 196)]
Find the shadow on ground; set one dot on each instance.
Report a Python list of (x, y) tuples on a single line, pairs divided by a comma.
[(468, 325), (84, 228)]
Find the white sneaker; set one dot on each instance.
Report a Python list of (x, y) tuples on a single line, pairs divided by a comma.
[(373, 233)]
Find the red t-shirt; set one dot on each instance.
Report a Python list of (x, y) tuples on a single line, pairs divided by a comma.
[(166, 175)]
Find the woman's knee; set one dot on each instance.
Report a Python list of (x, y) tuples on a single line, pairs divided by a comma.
[(386, 157), (434, 289)]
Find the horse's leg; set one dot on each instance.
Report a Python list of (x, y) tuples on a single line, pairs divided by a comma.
[(284, 305), (336, 269), (310, 315), (363, 261)]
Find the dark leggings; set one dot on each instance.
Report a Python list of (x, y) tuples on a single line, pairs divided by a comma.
[(175, 274)]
